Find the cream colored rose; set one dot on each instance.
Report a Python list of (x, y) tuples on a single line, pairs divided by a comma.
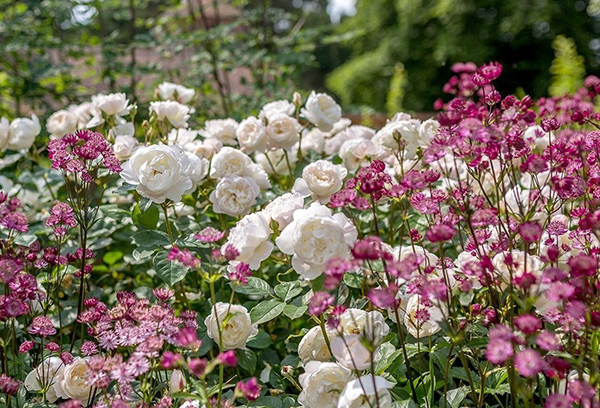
[(221, 129), (206, 148), (313, 345), (181, 136), (333, 144), (177, 381), (274, 161), (355, 152), (176, 113), (321, 180), (196, 170), (322, 383), (4, 133), (322, 111), (235, 323), (367, 391), (370, 325), (158, 172), (74, 381), (283, 132), (276, 108), (48, 375), (234, 195), (229, 162), (124, 140), (252, 135), (406, 130), (60, 123), (115, 104), (82, 113), (313, 141), (281, 210), (423, 320), (428, 131), (314, 237), (250, 237), (518, 266), (168, 91), (350, 352), (23, 132)]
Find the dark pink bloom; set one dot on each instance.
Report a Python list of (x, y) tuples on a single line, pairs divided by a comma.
[(529, 363), (383, 297), (320, 302), (52, 346), (582, 265), (163, 294), (228, 358), (9, 385), (249, 389), (547, 341), (170, 360), (198, 366), (209, 235), (440, 232), (25, 346), (558, 401), (42, 326), (528, 323), (530, 231)]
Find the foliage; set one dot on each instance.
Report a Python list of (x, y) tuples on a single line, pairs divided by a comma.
[(567, 69)]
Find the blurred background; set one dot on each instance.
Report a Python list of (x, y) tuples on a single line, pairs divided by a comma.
[(375, 56)]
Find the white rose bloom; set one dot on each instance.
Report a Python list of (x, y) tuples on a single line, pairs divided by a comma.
[(192, 404), (250, 237), (536, 136), (371, 325), (518, 267), (275, 108), (350, 352), (322, 111), (196, 170), (322, 383), (313, 141), (180, 209), (408, 131), (206, 148), (283, 132), (366, 392), (321, 180), (260, 176), (169, 91), (234, 196), (74, 381), (252, 135), (428, 131), (313, 345), (49, 374), (281, 210), (229, 162), (177, 381), (314, 237), (423, 328), (115, 104), (158, 172), (236, 331), (277, 159), (428, 259), (4, 133), (221, 129), (82, 113), (176, 113), (181, 136), (124, 146), (23, 132), (333, 144), (355, 153), (60, 123)]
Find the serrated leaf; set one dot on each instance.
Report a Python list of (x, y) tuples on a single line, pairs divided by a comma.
[(151, 239), (456, 396), (170, 272), (294, 312), (288, 290), (255, 287), (266, 311)]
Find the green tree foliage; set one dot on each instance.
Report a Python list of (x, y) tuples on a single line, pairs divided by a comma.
[(567, 69), (427, 36)]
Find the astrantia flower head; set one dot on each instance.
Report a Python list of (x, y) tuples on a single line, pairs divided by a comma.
[(209, 235), (248, 389), (320, 302)]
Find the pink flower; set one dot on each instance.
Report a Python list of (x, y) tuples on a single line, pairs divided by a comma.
[(228, 358), (529, 363), (248, 389), (209, 235), (163, 294), (530, 231), (9, 385), (558, 401), (320, 302), (547, 341), (198, 366), (384, 297), (25, 346), (170, 360), (528, 323), (440, 232), (43, 326)]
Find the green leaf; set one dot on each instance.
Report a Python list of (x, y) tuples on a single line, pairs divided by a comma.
[(267, 402), (246, 360), (255, 287), (267, 310), (25, 239), (456, 396), (294, 312), (147, 219), (288, 290), (151, 239), (110, 258), (261, 341), (353, 280), (169, 272)]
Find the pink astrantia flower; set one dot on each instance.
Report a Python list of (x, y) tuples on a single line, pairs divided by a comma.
[(320, 302), (529, 363)]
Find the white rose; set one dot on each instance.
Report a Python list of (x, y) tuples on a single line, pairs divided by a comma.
[(260, 176), (420, 328), (322, 111), (314, 237), (519, 266), (124, 146), (355, 152), (367, 391), (536, 136), (4, 133), (169, 91), (181, 136), (350, 352), (313, 141), (234, 195), (74, 381), (229, 162), (250, 237), (115, 104), (158, 172), (221, 129), (370, 325), (322, 383), (177, 381), (281, 210), (277, 159), (407, 130), (426, 257), (206, 148), (48, 375), (176, 113), (82, 113), (196, 170), (428, 131), (236, 331), (313, 345), (276, 108), (282, 132), (252, 135), (321, 180), (333, 144), (60, 123), (192, 404), (23, 132)]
